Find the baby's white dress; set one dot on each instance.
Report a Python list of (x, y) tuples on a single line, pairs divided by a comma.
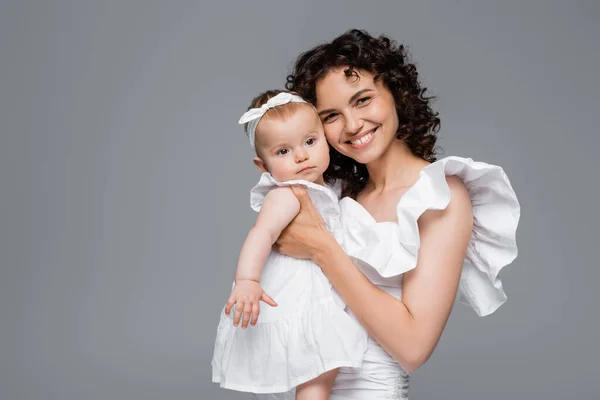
[(384, 251), (308, 333)]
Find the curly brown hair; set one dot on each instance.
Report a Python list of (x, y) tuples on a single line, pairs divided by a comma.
[(388, 61)]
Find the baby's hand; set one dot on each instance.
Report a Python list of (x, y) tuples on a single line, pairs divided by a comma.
[(246, 296)]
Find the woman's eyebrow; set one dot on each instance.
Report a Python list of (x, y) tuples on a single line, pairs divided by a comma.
[(354, 97)]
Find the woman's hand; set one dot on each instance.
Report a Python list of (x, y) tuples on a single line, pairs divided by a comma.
[(307, 233)]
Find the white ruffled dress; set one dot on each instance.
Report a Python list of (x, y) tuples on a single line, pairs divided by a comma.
[(307, 334), (384, 251)]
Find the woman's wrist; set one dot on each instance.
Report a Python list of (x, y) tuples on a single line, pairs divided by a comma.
[(324, 250)]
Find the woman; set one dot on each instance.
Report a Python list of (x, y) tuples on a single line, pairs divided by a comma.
[(428, 228)]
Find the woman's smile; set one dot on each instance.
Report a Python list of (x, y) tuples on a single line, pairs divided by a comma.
[(363, 140)]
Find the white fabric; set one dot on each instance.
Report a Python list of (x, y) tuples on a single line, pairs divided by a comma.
[(391, 248), (308, 333), (385, 251), (253, 116)]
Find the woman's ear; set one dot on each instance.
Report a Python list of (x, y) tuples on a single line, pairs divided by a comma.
[(260, 164)]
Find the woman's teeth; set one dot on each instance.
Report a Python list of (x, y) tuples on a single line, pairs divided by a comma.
[(363, 140)]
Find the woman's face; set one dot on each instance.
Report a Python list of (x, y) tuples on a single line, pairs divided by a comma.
[(359, 115)]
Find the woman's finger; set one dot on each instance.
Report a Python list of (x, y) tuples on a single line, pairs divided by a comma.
[(308, 211), (301, 194)]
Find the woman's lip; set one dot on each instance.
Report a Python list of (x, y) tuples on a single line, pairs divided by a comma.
[(362, 145)]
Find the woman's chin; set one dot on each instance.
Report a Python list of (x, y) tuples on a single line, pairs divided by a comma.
[(365, 156)]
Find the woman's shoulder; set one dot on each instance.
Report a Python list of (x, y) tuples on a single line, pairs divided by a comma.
[(460, 199), (482, 194), (481, 200), (459, 177), (456, 185), (459, 206)]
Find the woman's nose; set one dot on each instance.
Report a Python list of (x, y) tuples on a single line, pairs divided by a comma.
[(353, 124)]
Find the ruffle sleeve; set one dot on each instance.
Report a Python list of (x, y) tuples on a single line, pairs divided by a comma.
[(392, 248), (267, 183)]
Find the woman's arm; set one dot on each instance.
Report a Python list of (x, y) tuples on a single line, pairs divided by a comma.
[(408, 329)]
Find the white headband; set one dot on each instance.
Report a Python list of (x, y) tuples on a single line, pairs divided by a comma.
[(252, 116)]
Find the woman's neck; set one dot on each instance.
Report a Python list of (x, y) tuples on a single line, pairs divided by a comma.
[(396, 168)]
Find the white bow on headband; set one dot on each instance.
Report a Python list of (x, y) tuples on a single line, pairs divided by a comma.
[(252, 116)]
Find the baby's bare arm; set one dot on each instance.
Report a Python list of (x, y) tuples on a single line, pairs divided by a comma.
[(278, 209)]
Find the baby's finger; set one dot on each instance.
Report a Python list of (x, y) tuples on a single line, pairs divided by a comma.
[(247, 314), (237, 314), (255, 313), (229, 305), (268, 299)]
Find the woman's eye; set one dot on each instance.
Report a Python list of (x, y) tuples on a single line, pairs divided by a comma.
[(310, 141), (329, 117), (362, 101)]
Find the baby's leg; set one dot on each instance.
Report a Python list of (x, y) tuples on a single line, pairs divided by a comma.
[(318, 388)]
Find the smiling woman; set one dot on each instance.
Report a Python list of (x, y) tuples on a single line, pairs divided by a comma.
[(370, 71), (416, 231), (365, 124)]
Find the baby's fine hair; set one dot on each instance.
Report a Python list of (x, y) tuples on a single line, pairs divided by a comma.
[(282, 111)]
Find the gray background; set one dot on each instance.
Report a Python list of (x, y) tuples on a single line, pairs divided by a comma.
[(118, 240)]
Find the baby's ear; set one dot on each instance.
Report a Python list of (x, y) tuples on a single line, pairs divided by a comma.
[(260, 164)]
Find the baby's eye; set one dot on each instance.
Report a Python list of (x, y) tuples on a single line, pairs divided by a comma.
[(310, 141), (282, 152)]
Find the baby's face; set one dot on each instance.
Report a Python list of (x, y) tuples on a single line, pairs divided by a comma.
[(294, 147)]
